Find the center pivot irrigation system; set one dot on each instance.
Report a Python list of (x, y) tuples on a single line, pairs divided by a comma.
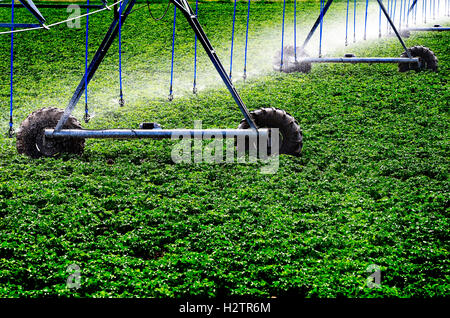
[(51, 131), (431, 11), (295, 59)]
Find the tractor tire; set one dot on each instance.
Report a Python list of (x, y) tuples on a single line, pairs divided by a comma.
[(291, 138), (31, 140), (428, 61), (405, 33), (289, 63)]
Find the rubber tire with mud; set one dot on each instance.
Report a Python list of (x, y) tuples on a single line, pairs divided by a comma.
[(289, 63), (30, 135), (291, 140), (405, 33), (428, 61)]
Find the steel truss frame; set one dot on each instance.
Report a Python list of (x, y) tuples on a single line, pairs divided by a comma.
[(189, 14), (354, 60)]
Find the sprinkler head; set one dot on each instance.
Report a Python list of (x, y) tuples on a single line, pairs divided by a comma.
[(87, 118), (244, 76), (121, 102), (11, 132), (170, 98), (194, 90)]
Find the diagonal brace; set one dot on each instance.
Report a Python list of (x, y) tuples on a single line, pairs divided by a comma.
[(96, 61), (380, 3), (189, 14)]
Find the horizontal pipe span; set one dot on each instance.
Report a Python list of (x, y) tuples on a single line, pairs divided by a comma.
[(19, 25), (358, 60), (153, 133), (54, 6), (430, 29)]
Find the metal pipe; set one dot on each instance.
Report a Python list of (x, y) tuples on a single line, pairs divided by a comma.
[(439, 29), (96, 61), (323, 11), (412, 6), (359, 60), (380, 3), (191, 18), (112, 32), (154, 133), (54, 6), (33, 10), (19, 25)]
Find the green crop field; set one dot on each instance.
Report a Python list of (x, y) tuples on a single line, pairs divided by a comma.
[(371, 185)]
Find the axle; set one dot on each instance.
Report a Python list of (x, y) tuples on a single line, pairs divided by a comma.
[(154, 133), (358, 60), (439, 29)]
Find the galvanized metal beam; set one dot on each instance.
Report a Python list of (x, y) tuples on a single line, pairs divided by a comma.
[(154, 133), (190, 16), (354, 60), (412, 6), (438, 29), (324, 11), (19, 25), (112, 32), (316, 24), (380, 3), (54, 6), (33, 10), (96, 61)]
